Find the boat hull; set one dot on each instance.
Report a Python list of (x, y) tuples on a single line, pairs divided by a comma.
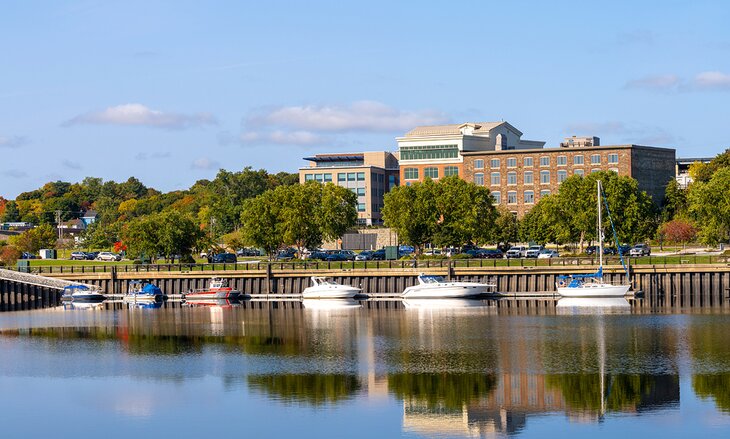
[(447, 291), (327, 292), (600, 290), (84, 297), (214, 294)]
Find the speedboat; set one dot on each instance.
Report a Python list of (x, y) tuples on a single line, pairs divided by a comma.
[(81, 293), (218, 289), (140, 291), (325, 288), (434, 287)]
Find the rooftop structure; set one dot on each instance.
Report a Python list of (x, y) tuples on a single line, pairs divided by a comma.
[(579, 142), (370, 175)]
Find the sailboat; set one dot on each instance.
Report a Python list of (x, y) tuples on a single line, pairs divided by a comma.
[(592, 284)]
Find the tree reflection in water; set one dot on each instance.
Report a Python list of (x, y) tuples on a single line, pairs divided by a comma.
[(448, 390), (313, 389), (713, 386)]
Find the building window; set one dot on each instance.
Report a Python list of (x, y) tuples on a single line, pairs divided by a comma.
[(308, 177), (544, 193), (328, 178), (613, 159), (577, 159), (511, 162), (479, 179), (391, 182), (496, 179), (410, 173), (494, 163), (545, 161), (544, 177), (528, 177), (429, 152), (528, 162), (562, 175), (350, 176), (497, 197), (479, 164), (512, 178), (450, 170), (529, 197), (511, 197), (361, 207), (578, 172), (318, 177), (562, 160), (595, 159), (361, 192), (341, 176), (431, 172), (360, 176)]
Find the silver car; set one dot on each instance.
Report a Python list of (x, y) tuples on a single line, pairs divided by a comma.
[(640, 250)]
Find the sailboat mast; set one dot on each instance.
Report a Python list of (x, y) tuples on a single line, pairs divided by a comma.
[(600, 228)]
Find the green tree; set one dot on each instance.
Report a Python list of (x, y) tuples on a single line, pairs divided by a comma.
[(43, 236), (412, 212), (703, 172), (466, 212), (260, 222), (506, 227), (675, 201), (11, 212), (709, 205), (167, 234)]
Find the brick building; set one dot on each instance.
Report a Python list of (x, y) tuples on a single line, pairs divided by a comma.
[(370, 175), (519, 178)]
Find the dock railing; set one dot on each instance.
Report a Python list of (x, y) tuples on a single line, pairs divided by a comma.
[(37, 267)]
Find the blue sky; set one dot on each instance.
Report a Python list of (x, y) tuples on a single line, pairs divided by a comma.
[(171, 91)]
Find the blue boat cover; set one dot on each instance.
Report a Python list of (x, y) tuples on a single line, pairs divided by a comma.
[(151, 290)]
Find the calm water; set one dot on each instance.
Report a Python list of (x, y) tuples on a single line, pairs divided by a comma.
[(384, 370)]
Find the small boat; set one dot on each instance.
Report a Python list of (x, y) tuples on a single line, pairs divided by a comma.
[(81, 293), (141, 291), (218, 289), (592, 284), (434, 287), (325, 288)]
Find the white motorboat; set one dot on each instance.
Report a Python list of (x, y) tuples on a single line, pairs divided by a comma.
[(218, 289), (81, 293), (325, 288), (435, 287), (593, 285)]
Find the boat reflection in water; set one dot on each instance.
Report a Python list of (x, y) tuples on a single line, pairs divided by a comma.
[(212, 303), (143, 305), (83, 305), (593, 305), (446, 304), (330, 304)]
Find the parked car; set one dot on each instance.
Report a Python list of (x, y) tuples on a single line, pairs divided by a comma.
[(547, 254), (378, 255), (516, 252), (79, 256), (286, 254), (108, 256), (593, 250), (223, 258), (640, 250), (624, 249), (27, 255), (533, 251), (476, 253), (365, 255), (348, 254), (493, 254), (432, 252), (248, 252), (336, 256), (91, 255)]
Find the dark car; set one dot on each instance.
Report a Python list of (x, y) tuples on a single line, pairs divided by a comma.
[(27, 255), (336, 256), (378, 255), (223, 258), (492, 254), (91, 255), (286, 255), (624, 250), (476, 253)]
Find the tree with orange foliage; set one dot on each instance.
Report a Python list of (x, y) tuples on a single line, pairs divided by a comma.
[(678, 231)]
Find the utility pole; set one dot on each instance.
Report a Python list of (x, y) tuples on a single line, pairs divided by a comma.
[(58, 224)]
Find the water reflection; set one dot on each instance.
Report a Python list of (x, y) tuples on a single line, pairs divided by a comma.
[(471, 369), (593, 305)]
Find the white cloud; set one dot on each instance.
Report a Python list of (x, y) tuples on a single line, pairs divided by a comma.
[(15, 173), (361, 116), (140, 115), (205, 163), (12, 142), (659, 82), (152, 155), (280, 137), (712, 80), (620, 132), (71, 165)]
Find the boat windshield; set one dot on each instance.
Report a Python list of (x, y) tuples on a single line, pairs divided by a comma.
[(324, 281), (432, 279)]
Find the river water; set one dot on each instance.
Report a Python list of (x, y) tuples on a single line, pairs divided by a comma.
[(364, 369)]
